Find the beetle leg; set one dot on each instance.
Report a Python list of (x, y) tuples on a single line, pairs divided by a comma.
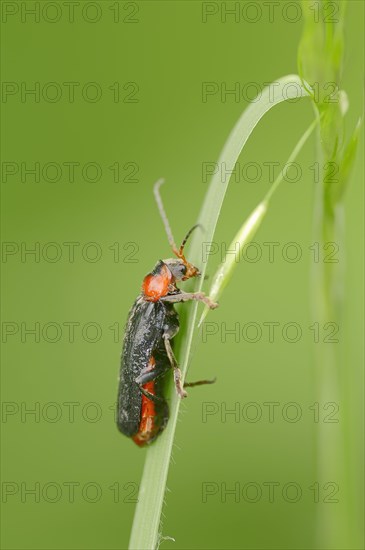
[(185, 296), (198, 383), (149, 373), (151, 396), (177, 372)]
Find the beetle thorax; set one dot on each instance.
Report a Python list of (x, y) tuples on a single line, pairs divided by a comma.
[(157, 283)]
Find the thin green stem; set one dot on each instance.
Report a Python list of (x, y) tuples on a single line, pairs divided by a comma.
[(291, 159), (249, 228)]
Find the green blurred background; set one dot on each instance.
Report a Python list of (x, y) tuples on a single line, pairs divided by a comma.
[(160, 54)]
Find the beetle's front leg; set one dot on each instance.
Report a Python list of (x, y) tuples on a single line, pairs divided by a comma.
[(185, 296)]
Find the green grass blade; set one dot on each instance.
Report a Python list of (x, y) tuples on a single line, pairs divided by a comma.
[(145, 530), (248, 230)]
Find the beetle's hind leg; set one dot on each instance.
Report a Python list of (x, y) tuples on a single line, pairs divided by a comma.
[(199, 383), (152, 371), (151, 396)]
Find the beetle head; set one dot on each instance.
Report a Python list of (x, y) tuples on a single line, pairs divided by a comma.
[(181, 269)]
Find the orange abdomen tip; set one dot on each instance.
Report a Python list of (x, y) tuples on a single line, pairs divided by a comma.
[(148, 429)]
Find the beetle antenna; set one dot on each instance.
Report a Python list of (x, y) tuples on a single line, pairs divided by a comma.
[(186, 238), (156, 190)]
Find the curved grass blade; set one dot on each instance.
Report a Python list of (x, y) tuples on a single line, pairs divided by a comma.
[(248, 230), (146, 524)]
